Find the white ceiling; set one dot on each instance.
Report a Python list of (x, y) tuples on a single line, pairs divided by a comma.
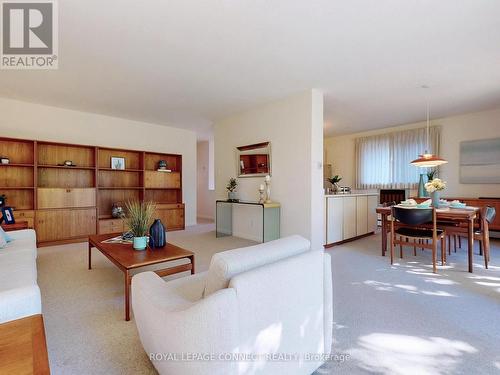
[(187, 63)]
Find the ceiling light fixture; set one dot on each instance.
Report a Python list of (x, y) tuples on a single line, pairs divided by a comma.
[(428, 160)]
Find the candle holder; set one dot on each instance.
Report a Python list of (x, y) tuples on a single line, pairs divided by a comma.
[(262, 197), (268, 190)]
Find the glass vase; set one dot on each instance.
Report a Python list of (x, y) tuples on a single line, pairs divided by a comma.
[(435, 199)]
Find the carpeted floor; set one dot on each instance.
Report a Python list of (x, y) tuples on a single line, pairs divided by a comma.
[(399, 320)]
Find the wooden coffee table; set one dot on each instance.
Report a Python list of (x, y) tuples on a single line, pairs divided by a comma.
[(126, 259)]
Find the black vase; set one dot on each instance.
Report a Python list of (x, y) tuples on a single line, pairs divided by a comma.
[(157, 235)]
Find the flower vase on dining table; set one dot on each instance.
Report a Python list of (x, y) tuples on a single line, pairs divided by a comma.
[(435, 199)]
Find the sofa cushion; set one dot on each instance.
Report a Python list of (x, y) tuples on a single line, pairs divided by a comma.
[(227, 264), (23, 241), (3, 240), (5, 234), (19, 292)]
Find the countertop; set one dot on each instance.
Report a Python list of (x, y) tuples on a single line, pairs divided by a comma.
[(349, 195)]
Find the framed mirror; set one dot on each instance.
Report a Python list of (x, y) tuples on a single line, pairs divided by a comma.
[(254, 160)]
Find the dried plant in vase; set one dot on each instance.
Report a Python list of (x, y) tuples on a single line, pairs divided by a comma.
[(335, 182), (138, 219), (231, 189)]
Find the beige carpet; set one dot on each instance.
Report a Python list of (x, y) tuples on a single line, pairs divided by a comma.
[(83, 310), (389, 320)]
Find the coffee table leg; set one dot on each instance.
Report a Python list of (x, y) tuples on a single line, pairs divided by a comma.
[(90, 256), (192, 263), (127, 295)]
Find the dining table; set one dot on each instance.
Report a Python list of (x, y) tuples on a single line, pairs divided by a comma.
[(448, 216)]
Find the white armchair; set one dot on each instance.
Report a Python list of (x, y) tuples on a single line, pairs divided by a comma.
[(263, 309)]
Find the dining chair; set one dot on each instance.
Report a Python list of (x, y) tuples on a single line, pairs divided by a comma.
[(481, 234), (417, 224)]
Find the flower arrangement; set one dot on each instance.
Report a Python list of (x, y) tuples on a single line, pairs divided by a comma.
[(435, 185)]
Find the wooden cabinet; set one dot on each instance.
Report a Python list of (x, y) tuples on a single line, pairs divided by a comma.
[(171, 215), (65, 198), (111, 226), (25, 215), (61, 199), (479, 202), (54, 225), (349, 216)]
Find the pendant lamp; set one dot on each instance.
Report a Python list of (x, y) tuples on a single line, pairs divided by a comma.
[(428, 160)]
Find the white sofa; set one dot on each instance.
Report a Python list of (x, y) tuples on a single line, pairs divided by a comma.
[(264, 309), (19, 292)]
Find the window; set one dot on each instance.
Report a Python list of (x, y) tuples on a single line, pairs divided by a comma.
[(383, 161)]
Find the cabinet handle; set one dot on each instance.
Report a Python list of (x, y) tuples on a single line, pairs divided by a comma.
[(68, 190)]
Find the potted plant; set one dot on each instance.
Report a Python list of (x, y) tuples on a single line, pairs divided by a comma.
[(231, 189), (433, 188), (139, 218), (335, 182)]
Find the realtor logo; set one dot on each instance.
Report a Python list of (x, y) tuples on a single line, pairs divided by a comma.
[(29, 34)]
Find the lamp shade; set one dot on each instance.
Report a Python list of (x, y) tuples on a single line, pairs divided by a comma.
[(428, 160)]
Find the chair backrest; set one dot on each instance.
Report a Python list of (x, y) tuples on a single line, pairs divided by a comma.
[(489, 214), (412, 216)]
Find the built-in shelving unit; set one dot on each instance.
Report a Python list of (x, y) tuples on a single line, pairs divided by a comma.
[(67, 203)]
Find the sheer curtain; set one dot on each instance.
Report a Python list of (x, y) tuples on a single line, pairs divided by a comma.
[(383, 161)]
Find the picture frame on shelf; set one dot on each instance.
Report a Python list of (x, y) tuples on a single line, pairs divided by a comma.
[(7, 215), (117, 163)]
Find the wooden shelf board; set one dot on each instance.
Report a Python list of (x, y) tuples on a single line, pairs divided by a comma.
[(66, 187), (120, 188), (158, 188), (16, 188), (16, 165), (156, 170), (69, 168), (120, 170)]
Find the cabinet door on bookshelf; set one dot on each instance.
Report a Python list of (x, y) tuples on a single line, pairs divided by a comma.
[(54, 225), (171, 215), (162, 180), (25, 215), (111, 226), (65, 198)]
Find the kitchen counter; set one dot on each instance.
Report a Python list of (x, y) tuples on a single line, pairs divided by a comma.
[(349, 195)]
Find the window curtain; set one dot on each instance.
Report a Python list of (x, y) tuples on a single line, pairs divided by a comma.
[(383, 161)]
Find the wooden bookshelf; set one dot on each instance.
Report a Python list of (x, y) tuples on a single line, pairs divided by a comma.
[(68, 203), (165, 188), (17, 179)]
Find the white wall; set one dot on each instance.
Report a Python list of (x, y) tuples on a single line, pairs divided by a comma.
[(340, 151), (205, 196), (294, 126), (32, 121)]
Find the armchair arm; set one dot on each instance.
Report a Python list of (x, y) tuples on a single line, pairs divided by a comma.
[(172, 321)]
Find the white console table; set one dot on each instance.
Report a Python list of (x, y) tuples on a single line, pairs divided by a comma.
[(271, 213)]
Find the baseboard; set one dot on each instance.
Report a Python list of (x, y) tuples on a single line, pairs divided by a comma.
[(348, 240), (206, 217)]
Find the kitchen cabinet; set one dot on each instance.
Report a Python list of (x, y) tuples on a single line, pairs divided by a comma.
[(349, 216)]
